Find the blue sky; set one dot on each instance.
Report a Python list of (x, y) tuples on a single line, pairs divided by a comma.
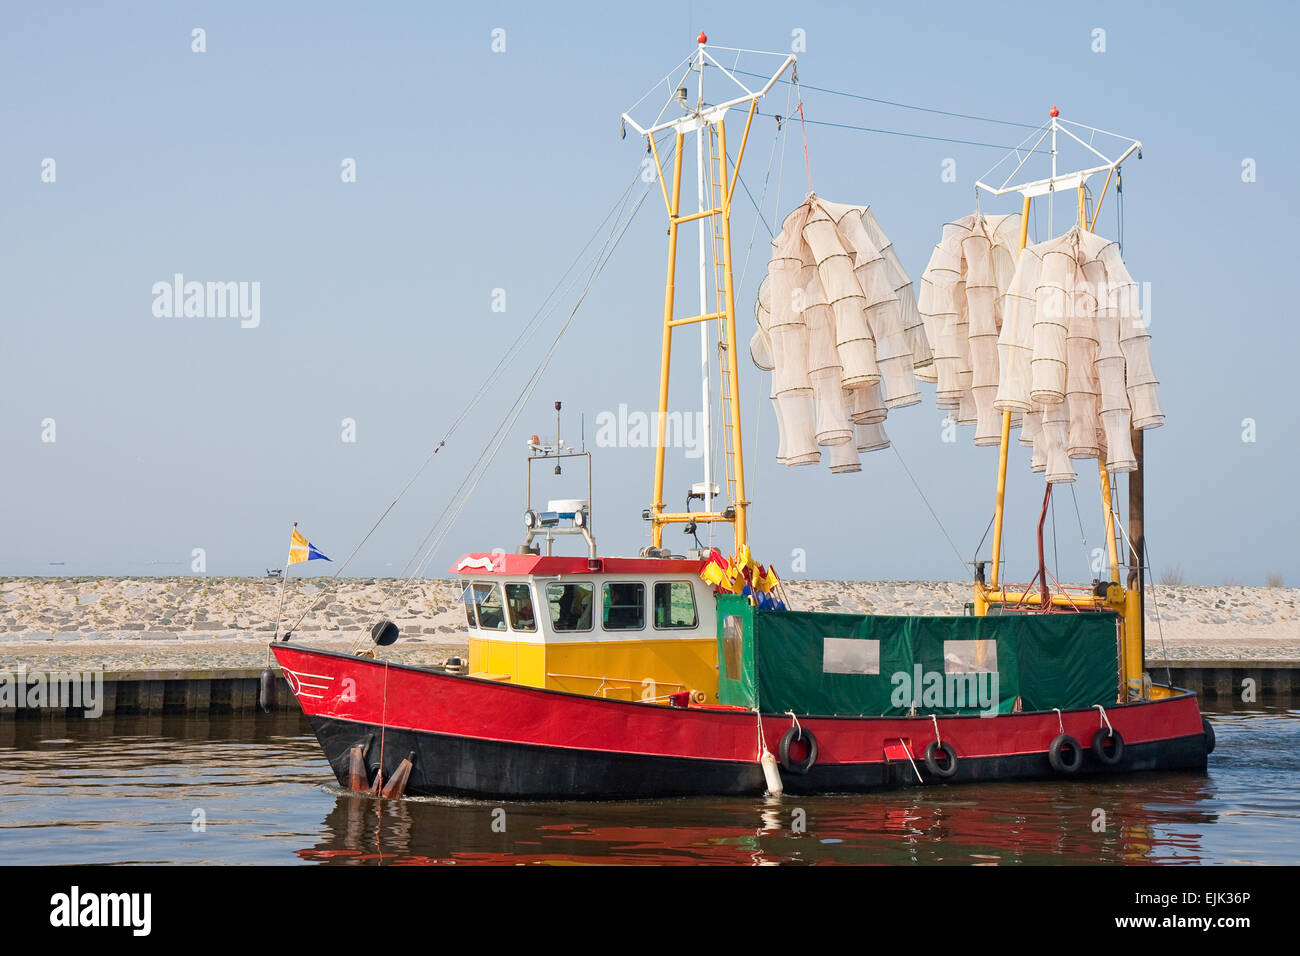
[(479, 171)]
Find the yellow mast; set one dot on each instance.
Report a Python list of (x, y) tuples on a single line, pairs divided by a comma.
[(1125, 602), (1004, 447), (672, 203), (708, 121)]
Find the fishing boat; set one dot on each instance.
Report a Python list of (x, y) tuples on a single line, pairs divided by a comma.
[(662, 674)]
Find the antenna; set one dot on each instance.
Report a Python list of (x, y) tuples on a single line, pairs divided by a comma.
[(558, 444)]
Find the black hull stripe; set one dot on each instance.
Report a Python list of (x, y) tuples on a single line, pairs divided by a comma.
[(448, 765)]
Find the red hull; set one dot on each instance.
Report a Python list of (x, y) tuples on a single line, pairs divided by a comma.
[(484, 738)]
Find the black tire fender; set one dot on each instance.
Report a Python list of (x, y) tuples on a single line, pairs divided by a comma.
[(1100, 739), (783, 751), (1065, 754), (935, 765), (1207, 729)]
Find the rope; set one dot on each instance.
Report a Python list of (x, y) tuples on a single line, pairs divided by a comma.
[(938, 739), (919, 778), (1059, 722), (803, 123), (799, 734), (383, 726), (1106, 719), (1119, 208)]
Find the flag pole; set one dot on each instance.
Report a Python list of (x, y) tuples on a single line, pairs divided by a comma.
[(283, 580)]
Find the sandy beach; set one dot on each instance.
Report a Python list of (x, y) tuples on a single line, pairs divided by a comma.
[(141, 623)]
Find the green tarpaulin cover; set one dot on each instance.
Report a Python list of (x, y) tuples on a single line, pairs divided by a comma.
[(866, 665)]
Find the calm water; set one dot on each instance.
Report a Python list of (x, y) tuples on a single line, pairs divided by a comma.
[(135, 789)]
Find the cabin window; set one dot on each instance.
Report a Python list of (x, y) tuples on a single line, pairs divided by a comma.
[(675, 605), (467, 599), (970, 657), (624, 606), (519, 601), (570, 606), (848, 655), (487, 600)]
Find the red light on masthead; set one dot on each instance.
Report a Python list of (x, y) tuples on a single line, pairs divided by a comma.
[(702, 38)]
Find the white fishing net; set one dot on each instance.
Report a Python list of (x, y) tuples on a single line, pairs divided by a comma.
[(840, 330), (1075, 355), (961, 305)]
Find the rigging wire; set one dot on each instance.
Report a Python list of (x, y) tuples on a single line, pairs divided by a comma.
[(760, 217), (515, 348), (461, 487), (484, 461), (960, 559), (895, 132), (488, 456), (780, 138), (987, 528), (777, 140), (905, 106), (1087, 561), (1143, 563)]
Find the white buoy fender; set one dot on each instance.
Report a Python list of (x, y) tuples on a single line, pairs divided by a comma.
[(770, 773)]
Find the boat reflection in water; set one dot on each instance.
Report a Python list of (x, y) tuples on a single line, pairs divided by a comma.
[(1050, 823), (125, 790)]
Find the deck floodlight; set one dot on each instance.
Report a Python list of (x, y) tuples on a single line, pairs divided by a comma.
[(701, 489)]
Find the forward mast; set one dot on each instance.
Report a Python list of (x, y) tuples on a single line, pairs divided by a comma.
[(716, 183)]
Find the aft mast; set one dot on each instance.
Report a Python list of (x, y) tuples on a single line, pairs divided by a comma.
[(1128, 603), (708, 123)]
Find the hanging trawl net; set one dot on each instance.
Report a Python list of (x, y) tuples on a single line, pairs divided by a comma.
[(839, 328), (962, 299), (1075, 355)]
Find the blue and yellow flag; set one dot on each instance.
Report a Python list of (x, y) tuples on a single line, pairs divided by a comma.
[(300, 549)]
